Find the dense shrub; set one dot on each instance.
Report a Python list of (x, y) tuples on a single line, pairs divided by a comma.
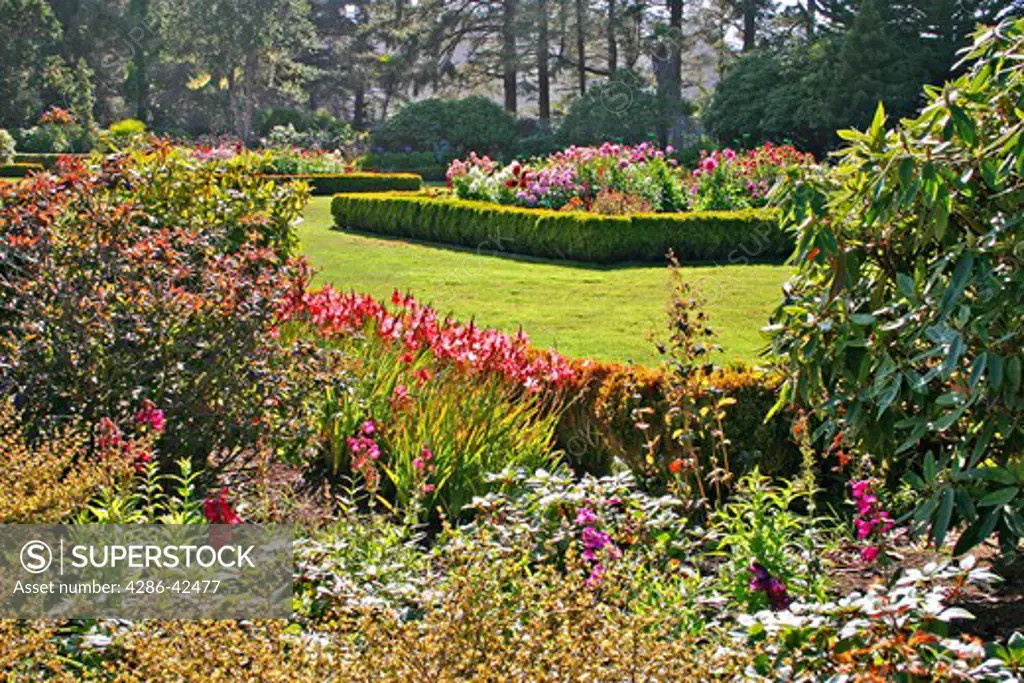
[(125, 132), (625, 110), (601, 423), (425, 164), (282, 126), (327, 184), (566, 235), (448, 128), (19, 170), (902, 328), (149, 276), (6, 147)]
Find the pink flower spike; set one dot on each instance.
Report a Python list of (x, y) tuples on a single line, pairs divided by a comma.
[(869, 554)]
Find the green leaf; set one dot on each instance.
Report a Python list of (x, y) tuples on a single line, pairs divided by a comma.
[(977, 532), (878, 123), (943, 517), (1000, 497)]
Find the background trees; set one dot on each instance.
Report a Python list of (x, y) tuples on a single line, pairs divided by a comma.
[(794, 69)]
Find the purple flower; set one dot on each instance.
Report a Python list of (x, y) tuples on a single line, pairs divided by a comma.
[(594, 539), (585, 516), (761, 580)]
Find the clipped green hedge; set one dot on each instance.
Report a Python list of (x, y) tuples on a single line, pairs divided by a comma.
[(727, 236), (325, 184), (18, 170), (48, 160)]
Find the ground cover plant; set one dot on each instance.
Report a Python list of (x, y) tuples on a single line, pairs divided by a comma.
[(165, 360)]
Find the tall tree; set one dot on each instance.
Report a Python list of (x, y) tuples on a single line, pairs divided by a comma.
[(31, 32), (543, 64), (613, 44), (509, 53), (241, 47), (581, 45)]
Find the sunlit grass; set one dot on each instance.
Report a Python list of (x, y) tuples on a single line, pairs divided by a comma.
[(597, 312)]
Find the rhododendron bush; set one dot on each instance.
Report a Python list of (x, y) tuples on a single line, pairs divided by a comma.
[(618, 179)]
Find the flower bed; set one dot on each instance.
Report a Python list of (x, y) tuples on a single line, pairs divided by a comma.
[(727, 236), (619, 179)]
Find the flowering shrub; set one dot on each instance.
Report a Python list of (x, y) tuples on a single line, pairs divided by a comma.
[(147, 276), (901, 329), (727, 180)]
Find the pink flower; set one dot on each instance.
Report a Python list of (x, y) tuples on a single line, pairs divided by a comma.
[(427, 454), (418, 464), (585, 516), (869, 554), (709, 164), (368, 428), (864, 528), (151, 415), (428, 488)]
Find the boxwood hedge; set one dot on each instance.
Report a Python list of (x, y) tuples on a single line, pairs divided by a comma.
[(17, 170), (326, 184), (730, 236)]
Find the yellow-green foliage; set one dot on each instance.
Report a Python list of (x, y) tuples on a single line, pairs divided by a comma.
[(46, 484), (728, 236), (601, 423), (325, 184)]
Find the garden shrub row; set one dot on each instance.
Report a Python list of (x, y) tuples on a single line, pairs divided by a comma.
[(18, 170), (47, 160), (720, 236), (600, 424), (327, 184)]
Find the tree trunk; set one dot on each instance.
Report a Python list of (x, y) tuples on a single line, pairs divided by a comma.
[(249, 76), (812, 17), (581, 46), (543, 70), (675, 55), (508, 54), (359, 107), (140, 67), (749, 25), (613, 46)]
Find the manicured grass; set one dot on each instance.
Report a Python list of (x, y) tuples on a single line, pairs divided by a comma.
[(596, 312)]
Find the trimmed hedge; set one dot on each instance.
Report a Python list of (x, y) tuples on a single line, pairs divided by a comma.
[(18, 170), (599, 426), (47, 160), (325, 184), (731, 236)]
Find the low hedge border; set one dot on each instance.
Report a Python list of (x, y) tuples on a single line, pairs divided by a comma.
[(48, 160), (18, 170), (728, 236), (599, 425), (327, 184)]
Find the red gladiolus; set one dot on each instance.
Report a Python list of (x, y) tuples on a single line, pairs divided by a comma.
[(217, 509)]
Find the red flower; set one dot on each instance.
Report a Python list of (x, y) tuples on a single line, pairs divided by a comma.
[(151, 415), (217, 509), (676, 466)]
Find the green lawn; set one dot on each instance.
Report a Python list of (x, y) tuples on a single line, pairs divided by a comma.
[(597, 312)]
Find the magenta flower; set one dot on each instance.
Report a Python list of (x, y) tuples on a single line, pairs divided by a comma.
[(869, 553), (585, 516), (762, 581)]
